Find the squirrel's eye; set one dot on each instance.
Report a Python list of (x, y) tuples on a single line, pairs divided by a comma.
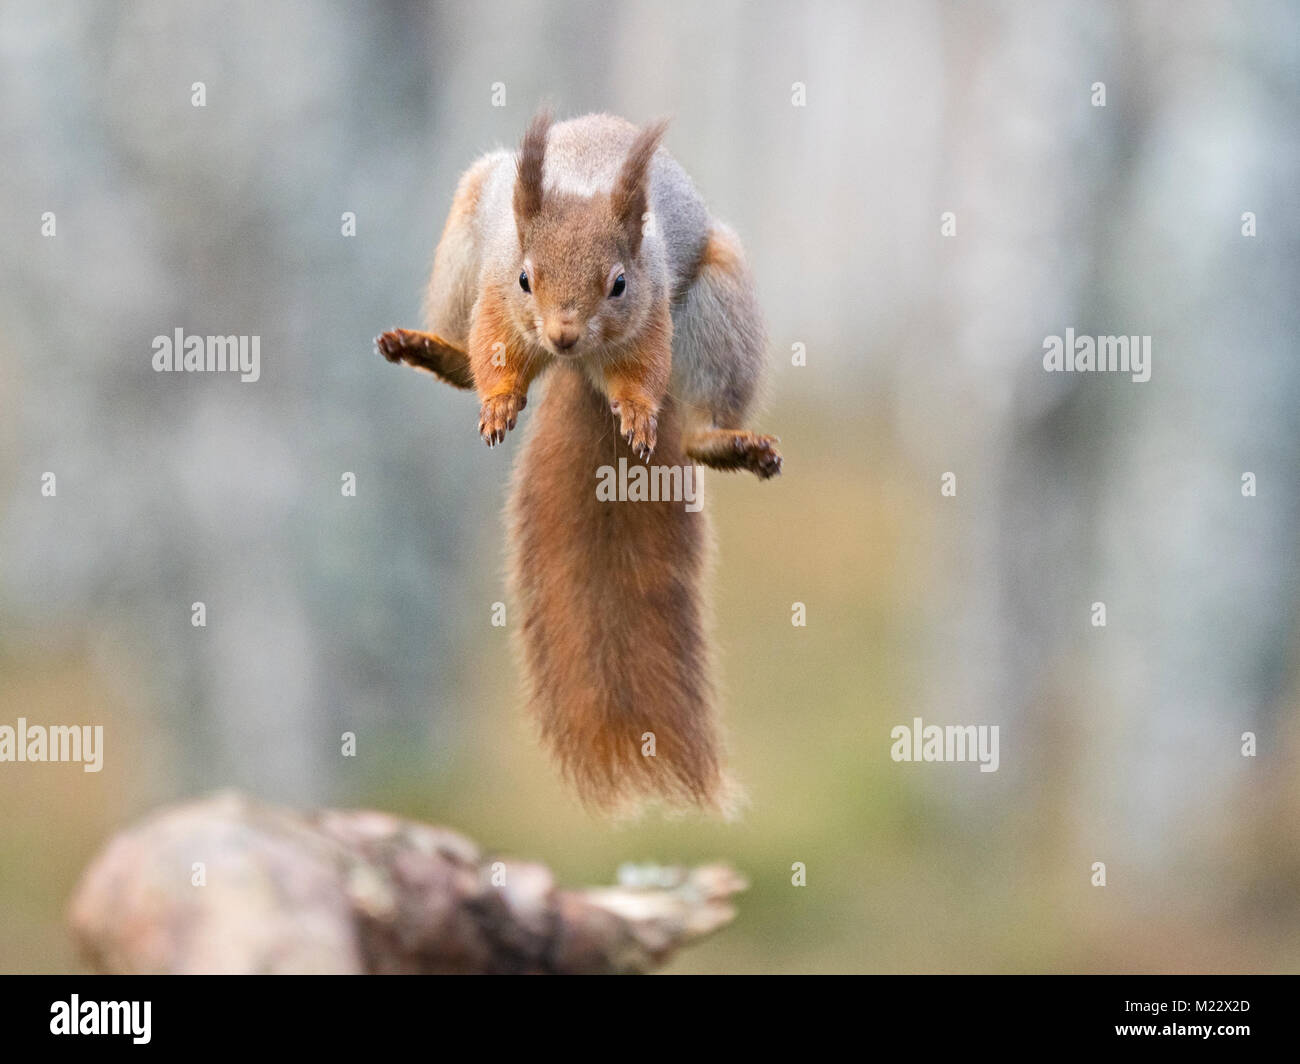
[(620, 285), (523, 281)]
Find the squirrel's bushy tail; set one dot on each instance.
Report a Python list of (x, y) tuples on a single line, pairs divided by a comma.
[(611, 592)]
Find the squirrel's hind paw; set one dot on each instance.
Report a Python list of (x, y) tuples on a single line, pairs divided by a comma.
[(762, 458), (429, 352), (736, 449)]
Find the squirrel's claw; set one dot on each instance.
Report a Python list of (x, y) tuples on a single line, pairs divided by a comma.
[(394, 344), (639, 426), (498, 415), (759, 454), (762, 457)]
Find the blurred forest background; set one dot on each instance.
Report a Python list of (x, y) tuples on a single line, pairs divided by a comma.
[(924, 355)]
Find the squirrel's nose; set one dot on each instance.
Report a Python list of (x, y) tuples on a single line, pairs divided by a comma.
[(563, 336)]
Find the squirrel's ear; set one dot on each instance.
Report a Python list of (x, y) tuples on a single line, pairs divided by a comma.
[(630, 195), (528, 180)]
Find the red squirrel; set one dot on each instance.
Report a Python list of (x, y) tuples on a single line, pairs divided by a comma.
[(589, 254)]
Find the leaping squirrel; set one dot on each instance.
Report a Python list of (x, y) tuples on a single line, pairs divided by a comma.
[(589, 252)]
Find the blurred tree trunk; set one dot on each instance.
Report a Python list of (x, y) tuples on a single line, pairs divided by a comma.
[(228, 885)]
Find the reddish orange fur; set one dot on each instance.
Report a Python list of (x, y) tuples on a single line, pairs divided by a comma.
[(629, 198), (497, 357), (614, 635), (721, 253), (528, 185), (611, 593), (639, 381)]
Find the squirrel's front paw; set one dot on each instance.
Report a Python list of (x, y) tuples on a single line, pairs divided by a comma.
[(638, 424), (498, 416)]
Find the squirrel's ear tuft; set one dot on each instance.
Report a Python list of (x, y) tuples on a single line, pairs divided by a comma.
[(631, 191), (528, 180)]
